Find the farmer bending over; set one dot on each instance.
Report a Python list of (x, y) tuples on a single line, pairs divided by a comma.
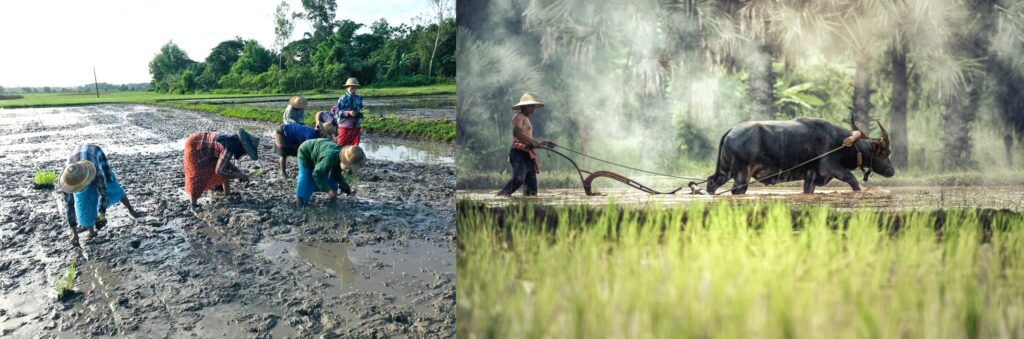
[(321, 162), (296, 111), (289, 136), (208, 158), (89, 187), (522, 156), (350, 115)]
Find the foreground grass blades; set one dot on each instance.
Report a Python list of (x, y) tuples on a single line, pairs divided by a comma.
[(733, 271)]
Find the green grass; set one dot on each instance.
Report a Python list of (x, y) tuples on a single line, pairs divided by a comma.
[(737, 271), (77, 99), (67, 283), (423, 129), (45, 179)]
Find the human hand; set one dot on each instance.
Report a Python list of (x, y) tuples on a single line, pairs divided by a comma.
[(548, 143)]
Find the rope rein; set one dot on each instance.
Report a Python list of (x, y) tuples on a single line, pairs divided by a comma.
[(692, 184), (627, 167)]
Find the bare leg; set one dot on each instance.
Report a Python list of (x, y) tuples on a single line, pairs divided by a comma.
[(227, 188), (284, 162), (127, 204), (74, 234)]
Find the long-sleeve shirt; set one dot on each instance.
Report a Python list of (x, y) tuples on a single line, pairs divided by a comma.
[(232, 149), (350, 111), (323, 156), (95, 155), (294, 115)]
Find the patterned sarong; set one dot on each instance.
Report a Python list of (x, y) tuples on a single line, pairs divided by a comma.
[(201, 154), (533, 154)]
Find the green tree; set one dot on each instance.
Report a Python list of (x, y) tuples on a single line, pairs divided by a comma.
[(254, 59), (320, 14), (284, 25), (171, 60), (441, 10)]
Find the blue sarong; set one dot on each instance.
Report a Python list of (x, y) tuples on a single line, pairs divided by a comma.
[(87, 201), (307, 186)]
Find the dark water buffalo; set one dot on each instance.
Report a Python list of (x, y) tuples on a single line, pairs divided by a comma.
[(759, 149)]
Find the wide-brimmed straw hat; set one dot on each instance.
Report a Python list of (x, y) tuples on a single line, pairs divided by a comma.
[(297, 102), (352, 157), (77, 176), (351, 82), (250, 143), (527, 100)]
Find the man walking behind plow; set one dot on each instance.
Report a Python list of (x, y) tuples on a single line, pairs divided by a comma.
[(522, 156)]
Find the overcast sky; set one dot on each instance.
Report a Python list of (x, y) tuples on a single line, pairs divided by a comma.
[(56, 43)]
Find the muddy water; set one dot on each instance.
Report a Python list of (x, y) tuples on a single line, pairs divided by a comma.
[(209, 273), (883, 198), (438, 107)]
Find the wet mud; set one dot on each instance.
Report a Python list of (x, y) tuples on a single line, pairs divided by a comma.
[(874, 197), (251, 264)]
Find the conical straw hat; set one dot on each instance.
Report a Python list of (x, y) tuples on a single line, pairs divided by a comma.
[(76, 176), (527, 100)]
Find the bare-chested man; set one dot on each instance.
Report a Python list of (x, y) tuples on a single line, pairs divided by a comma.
[(522, 156)]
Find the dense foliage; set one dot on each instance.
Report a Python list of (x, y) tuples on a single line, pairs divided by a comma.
[(656, 84), (381, 55)]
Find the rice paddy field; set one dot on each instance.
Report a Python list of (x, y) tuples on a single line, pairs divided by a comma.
[(738, 269)]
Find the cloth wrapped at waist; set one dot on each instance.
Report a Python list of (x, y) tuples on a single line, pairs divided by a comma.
[(529, 150)]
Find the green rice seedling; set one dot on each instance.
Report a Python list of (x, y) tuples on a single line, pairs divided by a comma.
[(737, 270), (256, 172), (351, 178), (66, 284), (45, 179)]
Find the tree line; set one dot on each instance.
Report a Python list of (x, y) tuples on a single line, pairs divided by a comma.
[(87, 88), (387, 55)]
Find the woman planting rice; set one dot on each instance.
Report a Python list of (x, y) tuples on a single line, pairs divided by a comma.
[(321, 162), (208, 158), (288, 137), (295, 112), (89, 187)]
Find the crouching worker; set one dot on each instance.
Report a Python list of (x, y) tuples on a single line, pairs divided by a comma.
[(290, 136), (90, 187), (208, 160), (295, 112), (321, 162)]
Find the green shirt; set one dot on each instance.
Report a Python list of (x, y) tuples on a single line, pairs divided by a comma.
[(323, 156)]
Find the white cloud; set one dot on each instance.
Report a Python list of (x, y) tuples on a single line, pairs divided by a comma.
[(56, 43)]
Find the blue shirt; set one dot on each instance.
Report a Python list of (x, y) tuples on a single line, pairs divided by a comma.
[(298, 133), (350, 103), (232, 143)]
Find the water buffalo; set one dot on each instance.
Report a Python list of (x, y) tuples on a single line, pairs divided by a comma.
[(760, 149)]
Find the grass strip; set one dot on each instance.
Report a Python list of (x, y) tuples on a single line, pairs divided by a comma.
[(421, 129)]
